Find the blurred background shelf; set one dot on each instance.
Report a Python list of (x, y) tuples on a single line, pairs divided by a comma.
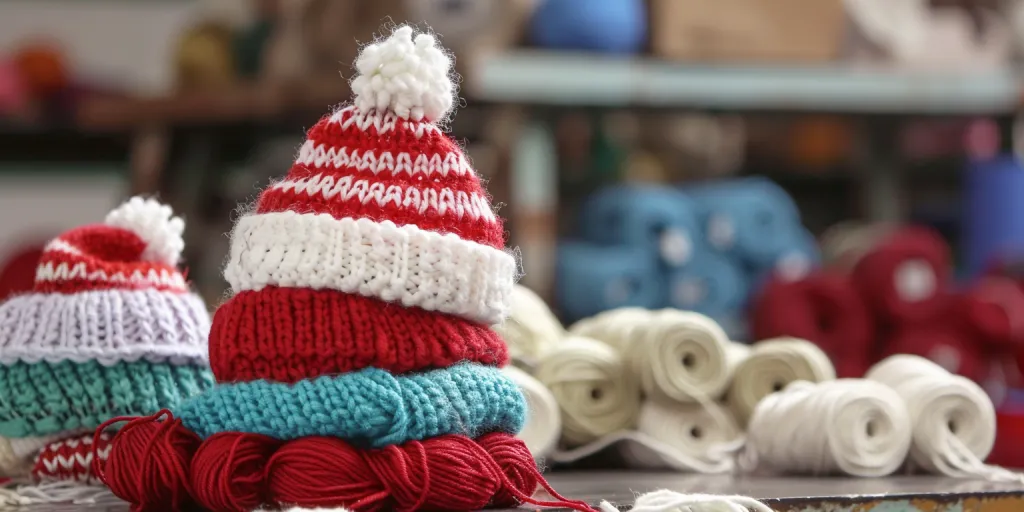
[(544, 78)]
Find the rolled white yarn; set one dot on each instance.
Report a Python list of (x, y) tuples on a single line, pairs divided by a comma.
[(595, 394), (670, 501), (676, 355), (954, 421), (686, 437), (543, 422), (770, 367), (850, 426), (531, 329), (615, 327)]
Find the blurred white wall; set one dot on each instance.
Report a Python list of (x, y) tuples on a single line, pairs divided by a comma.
[(122, 42)]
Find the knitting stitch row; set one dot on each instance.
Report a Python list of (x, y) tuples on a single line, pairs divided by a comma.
[(109, 326), (288, 334), (47, 398), (404, 264), (370, 407)]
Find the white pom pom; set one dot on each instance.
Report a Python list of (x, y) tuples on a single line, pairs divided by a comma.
[(154, 223), (411, 78)]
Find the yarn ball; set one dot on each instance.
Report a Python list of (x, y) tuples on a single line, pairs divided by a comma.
[(606, 26), (407, 76), (43, 69)]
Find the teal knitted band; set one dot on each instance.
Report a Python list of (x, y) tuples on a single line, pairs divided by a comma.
[(45, 398), (369, 407)]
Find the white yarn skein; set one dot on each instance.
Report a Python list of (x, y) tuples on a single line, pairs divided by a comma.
[(676, 355), (770, 367), (543, 423), (671, 501), (954, 421), (615, 327), (594, 392), (683, 437), (531, 329), (851, 426)]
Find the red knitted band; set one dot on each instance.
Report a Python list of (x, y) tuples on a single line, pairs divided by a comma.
[(290, 334)]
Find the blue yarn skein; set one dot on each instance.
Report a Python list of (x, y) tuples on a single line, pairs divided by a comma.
[(711, 284), (752, 219), (591, 279), (606, 26), (661, 220)]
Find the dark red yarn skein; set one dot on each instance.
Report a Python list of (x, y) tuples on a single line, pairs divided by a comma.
[(148, 465), (156, 464), (823, 308), (227, 471)]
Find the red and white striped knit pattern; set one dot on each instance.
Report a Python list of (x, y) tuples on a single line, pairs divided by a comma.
[(382, 167), (71, 459), (137, 247), (380, 202), (100, 257)]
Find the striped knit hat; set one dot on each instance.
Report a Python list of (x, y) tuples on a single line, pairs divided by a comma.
[(109, 329), (380, 207)]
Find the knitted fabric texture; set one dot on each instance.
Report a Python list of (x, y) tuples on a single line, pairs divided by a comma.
[(70, 459), (49, 398), (288, 334), (370, 407), (108, 326), (384, 217)]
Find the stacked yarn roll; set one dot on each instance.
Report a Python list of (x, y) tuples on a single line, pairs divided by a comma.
[(705, 249), (666, 389), (893, 294), (355, 362), (109, 329)]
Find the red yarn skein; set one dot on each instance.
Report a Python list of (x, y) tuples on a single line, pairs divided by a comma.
[(227, 471), (823, 308), (904, 277), (993, 309), (944, 342), (148, 464)]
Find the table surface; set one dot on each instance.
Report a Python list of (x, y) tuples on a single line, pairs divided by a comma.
[(894, 494)]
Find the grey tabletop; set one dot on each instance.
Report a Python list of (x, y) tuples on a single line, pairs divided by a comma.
[(783, 494)]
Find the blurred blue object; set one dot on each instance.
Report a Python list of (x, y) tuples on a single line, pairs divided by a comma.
[(994, 216), (798, 256), (591, 279), (606, 26), (752, 219), (711, 284), (661, 220)]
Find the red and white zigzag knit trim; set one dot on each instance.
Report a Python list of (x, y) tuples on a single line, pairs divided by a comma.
[(377, 161), (442, 200), (405, 264), (376, 123), (161, 279), (71, 459)]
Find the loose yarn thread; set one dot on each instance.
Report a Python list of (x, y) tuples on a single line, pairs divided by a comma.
[(543, 421), (954, 423), (770, 367), (850, 426), (595, 393), (155, 461)]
